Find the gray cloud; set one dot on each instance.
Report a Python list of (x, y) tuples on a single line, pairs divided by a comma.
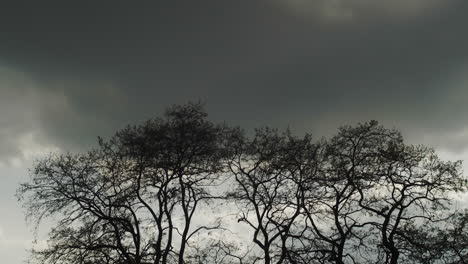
[(17, 114), (346, 10), (92, 67)]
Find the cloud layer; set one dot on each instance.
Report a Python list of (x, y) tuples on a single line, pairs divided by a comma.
[(69, 73)]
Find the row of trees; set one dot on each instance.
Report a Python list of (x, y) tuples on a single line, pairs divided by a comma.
[(147, 196)]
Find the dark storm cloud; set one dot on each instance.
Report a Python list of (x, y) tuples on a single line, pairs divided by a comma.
[(95, 65)]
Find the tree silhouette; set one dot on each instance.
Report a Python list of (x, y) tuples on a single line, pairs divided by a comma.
[(122, 202), (362, 196), (398, 185), (269, 191)]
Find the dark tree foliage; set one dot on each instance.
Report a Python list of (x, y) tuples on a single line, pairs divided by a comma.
[(147, 195)]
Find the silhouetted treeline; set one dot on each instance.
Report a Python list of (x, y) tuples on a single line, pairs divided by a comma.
[(182, 189)]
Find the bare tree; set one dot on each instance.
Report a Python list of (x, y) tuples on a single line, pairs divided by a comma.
[(271, 171), (121, 202), (361, 197), (398, 185), (264, 193), (350, 199), (446, 243)]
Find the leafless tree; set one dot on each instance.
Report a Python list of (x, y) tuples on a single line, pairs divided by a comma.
[(350, 199), (363, 196), (122, 202), (446, 243), (267, 192), (399, 185)]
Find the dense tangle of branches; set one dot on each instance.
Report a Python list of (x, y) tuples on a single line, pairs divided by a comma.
[(182, 189)]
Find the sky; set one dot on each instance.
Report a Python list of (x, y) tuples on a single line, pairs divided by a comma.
[(72, 71)]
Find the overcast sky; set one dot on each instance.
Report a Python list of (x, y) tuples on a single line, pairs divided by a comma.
[(71, 71)]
